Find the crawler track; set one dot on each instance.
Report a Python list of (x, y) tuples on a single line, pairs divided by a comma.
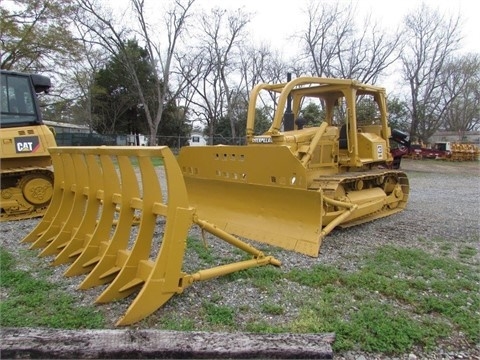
[(25, 193)]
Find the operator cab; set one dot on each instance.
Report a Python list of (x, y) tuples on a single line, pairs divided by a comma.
[(18, 106)]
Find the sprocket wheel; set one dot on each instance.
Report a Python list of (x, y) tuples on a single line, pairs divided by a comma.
[(37, 189)]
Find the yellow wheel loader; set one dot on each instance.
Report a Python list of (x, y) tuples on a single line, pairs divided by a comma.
[(122, 220), (292, 185), (26, 167)]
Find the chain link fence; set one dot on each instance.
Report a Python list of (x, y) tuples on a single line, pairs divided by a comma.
[(174, 142)]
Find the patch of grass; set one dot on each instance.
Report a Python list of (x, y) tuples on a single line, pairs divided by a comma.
[(446, 248), (372, 308), (202, 250), (423, 240), (450, 288), (173, 323), (35, 302), (370, 326), (266, 277), (272, 309), (263, 277), (318, 276), (381, 328), (219, 314), (437, 239), (467, 252), (263, 327)]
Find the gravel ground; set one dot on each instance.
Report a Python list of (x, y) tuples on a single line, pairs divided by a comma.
[(444, 203)]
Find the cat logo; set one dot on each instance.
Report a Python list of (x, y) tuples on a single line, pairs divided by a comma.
[(26, 144)]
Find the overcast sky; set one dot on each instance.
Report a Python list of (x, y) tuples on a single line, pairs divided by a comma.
[(274, 20), (276, 16)]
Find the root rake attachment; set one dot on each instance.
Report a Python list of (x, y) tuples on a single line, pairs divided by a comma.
[(100, 202)]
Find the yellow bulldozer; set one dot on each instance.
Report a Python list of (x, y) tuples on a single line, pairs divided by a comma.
[(292, 185), (26, 167), (288, 187)]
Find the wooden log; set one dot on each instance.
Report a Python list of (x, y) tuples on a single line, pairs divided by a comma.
[(27, 343)]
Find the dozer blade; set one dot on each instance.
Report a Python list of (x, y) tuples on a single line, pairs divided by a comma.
[(256, 193), (102, 192)]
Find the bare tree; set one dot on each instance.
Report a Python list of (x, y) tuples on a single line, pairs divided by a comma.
[(203, 92), (81, 74), (323, 33), (220, 35), (189, 67), (261, 64), (335, 46), (113, 38), (432, 39), (462, 83)]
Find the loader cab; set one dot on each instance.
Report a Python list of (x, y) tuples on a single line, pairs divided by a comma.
[(18, 104)]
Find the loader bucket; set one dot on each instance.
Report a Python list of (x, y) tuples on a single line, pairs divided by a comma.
[(110, 202), (256, 192)]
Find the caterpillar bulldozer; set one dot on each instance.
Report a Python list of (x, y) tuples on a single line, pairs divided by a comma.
[(26, 167), (122, 220), (292, 185)]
